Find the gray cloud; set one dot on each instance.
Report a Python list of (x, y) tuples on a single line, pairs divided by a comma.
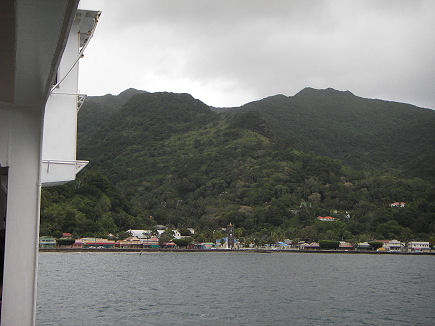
[(231, 52)]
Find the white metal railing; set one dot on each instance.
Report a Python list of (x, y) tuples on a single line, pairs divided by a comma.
[(80, 98), (78, 164)]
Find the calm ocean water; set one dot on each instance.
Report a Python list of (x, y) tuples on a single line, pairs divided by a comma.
[(235, 289)]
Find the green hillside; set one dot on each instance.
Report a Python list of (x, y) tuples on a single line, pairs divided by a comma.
[(364, 133), (171, 157)]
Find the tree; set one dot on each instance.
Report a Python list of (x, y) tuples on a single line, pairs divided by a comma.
[(390, 229), (183, 242), (57, 234), (123, 235), (376, 244), (314, 197), (166, 237), (65, 242), (184, 231), (329, 244)]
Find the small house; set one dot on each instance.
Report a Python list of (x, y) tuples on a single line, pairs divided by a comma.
[(130, 242), (47, 242), (152, 242), (78, 244), (140, 234), (93, 243), (345, 246), (326, 218), (398, 204), (310, 246), (364, 246)]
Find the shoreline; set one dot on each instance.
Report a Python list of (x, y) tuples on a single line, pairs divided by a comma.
[(266, 251)]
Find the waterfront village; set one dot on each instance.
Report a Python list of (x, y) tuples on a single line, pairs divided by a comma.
[(162, 237)]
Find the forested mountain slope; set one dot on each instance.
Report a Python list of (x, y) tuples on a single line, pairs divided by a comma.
[(172, 157), (364, 133), (98, 109)]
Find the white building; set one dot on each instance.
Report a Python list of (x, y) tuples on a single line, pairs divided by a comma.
[(418, 246), (140, 234), (177, 234), (41, 43), (394, 245)]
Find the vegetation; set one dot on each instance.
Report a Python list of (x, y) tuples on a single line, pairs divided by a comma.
[(171, 157), (366, 134), (183, 242), (65, 242), (166, 237), (329, 244), (375, 244), (89, 206)]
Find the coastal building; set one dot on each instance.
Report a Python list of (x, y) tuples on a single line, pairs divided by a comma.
[(364, 246), (192, 231), (345, 246), (130, 242), (223, 243), (203, 245), (384, 243), (140, 234), (152, 242), (310, 246), (96, 243), (144, 234), (78, 244), (208, 245), (47, 242), (418, 246), (282, 245), (394, 245), (160, 232), (169, 244), (42, 42), (177, 234)]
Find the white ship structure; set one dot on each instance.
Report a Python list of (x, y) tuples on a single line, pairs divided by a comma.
[(41, 43)]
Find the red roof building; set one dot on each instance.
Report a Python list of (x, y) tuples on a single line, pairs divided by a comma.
[(326, 218), (398, 204)]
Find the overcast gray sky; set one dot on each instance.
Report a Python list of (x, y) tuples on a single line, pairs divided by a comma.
[(230, 52)]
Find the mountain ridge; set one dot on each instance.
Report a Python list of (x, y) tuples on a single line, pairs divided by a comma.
[(360, 132)]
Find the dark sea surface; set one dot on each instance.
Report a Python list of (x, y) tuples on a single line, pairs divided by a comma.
[(213, 288)]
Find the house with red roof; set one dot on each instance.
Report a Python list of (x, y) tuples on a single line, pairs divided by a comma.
[(345, 246), (310, 246), (326, 218), (398, 204)]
